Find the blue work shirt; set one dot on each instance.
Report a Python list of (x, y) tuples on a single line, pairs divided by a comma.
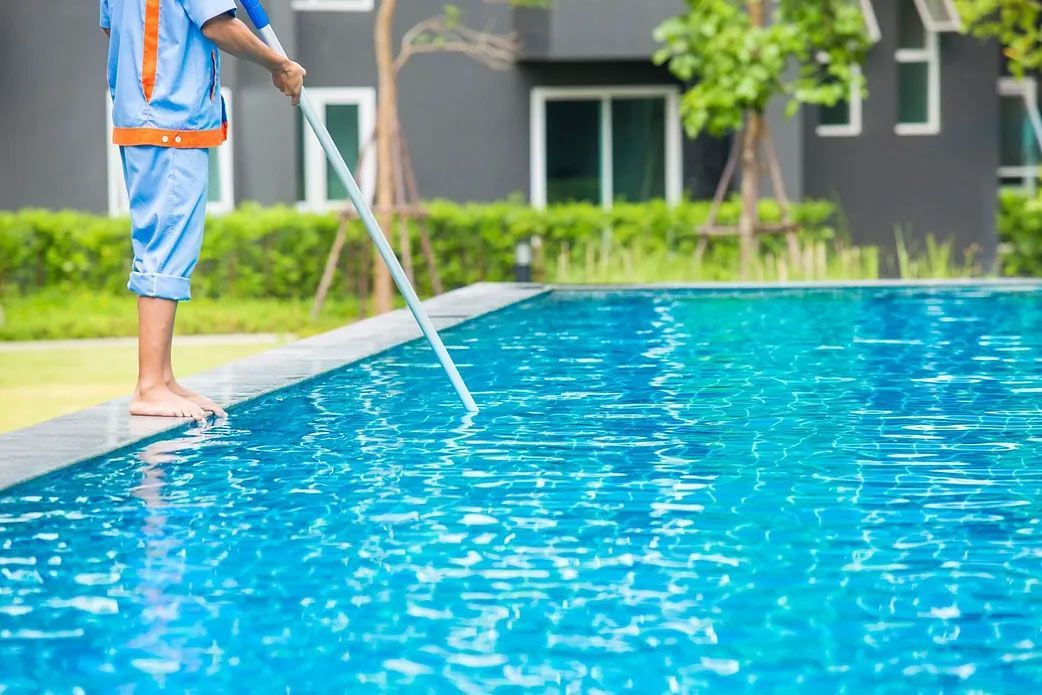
[(164, 75)]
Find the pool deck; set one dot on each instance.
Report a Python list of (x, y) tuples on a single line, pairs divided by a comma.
[(34, 451), (43, 448)]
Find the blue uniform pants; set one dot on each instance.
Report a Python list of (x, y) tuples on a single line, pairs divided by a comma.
[(168, 191)]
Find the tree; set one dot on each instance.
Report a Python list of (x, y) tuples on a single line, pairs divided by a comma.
[(444, 33), (738, 55), (1016, 24)]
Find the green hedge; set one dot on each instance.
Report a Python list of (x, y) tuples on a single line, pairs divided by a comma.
[(279, 252), (1020, 234)]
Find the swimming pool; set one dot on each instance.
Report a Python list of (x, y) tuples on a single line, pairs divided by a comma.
[(664, 491)]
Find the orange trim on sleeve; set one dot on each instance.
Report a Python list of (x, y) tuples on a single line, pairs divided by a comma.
[(150, 57), (182, 139)]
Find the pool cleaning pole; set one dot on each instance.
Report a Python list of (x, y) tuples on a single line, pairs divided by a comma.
[(260, 20)]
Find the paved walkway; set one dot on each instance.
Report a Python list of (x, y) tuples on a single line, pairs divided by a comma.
[(91, 343)]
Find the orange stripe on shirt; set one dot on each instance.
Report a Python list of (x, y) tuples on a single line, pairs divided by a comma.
[(151, 54)]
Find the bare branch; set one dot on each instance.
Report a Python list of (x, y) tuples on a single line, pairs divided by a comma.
[(439, 35)]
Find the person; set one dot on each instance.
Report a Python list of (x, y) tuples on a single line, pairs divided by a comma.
[(164, 77)]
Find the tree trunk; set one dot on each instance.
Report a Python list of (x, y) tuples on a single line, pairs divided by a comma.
[(386, 131), (365, 255), (402, 200), (751, 164), (332, 261), (425, 237), (780, 194), (750, 192)]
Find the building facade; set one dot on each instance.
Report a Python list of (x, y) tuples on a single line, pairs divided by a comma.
[(920, 154), (582, 114)]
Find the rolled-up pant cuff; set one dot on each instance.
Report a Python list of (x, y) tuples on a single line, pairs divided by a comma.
[(171, 287)]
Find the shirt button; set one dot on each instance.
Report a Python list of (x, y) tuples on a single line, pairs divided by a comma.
[(166, 139), (177, 139)]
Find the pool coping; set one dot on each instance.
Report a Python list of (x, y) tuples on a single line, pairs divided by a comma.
[(64, 441), (70, 439), (806, 285)]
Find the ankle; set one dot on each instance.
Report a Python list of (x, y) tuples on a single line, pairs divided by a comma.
[(149, 385)]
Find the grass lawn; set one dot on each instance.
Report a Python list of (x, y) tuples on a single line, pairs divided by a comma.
[(44, 383), (64, 315)]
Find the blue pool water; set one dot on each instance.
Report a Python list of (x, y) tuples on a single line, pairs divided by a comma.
[(680, 491)]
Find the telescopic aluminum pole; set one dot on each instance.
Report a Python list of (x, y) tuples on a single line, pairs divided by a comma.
[(260, 20)]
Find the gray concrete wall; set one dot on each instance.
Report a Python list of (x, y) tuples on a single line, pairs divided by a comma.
[(944, 184), (52, 114), (593, 29), (264, 122), (466, 124)]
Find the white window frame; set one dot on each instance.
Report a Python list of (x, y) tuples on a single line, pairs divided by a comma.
[(333, 5), (856, 107), (316, 194), (868, 11), (604, 95), (1026, 89), (939, 24), (119, 199), (225, 164), (931, 55)]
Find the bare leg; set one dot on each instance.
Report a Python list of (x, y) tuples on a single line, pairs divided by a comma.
[(152, 396), (171, 383)]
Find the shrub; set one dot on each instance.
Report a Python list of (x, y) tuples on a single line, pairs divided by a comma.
[(279, 252), (1020, 234)]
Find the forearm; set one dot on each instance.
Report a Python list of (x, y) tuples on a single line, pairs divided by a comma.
[(234, 37)]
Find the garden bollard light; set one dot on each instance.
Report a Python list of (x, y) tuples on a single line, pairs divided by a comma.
[(523, 261)]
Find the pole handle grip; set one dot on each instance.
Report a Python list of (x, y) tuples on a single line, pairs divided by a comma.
[(256, 12)]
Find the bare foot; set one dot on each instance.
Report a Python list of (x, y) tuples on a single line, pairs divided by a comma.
[(162, 402), (200, 400)]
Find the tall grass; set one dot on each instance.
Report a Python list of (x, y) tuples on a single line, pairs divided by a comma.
[(606, 262), (936, 261)]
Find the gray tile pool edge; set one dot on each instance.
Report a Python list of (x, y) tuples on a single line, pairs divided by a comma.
[(806, 285), (35, 451)]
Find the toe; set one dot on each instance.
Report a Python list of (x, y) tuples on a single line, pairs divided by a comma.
[(210, 406)]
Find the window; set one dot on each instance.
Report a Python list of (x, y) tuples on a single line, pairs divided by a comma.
[(350, 116), (334, 5), (918, 74), (844, 118), (221, 195), (1020, 137), (604, 145), (868, 11), (939, 15)]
